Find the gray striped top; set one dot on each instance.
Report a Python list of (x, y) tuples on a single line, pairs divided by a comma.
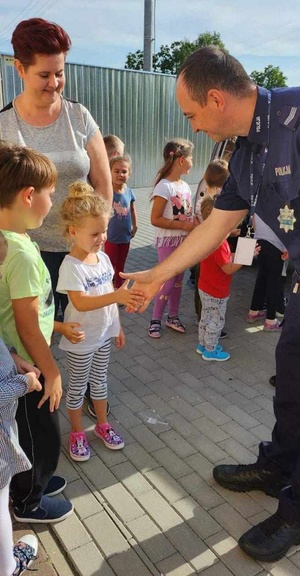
[(64, 142), (12, 386)]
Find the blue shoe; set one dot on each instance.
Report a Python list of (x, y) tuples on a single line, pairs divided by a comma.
[(215, 355), (49, 511), (200, 349), (55, 486)]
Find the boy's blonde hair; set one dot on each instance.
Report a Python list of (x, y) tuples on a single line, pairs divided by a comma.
[(20, 168), (114, 146), (216, 173), (176, 148), (207, 205), (81, 203), (123, 158)]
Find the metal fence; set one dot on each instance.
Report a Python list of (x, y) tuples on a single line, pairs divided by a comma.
[(139, 107)]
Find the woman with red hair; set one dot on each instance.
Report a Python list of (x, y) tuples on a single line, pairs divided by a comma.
[(41, 118)]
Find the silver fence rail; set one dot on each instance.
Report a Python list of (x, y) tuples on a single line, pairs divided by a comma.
[(139, 107)]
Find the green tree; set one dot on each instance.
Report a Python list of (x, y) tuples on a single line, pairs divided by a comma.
[(169, 58), (271, 77), (135, 60)]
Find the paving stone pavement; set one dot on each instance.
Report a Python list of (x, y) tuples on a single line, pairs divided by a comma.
[(153, 508)]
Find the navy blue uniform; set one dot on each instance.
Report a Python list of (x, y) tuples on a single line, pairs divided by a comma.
[(279, 185)]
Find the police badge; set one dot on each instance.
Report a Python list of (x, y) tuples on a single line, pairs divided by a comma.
[(286, 218)]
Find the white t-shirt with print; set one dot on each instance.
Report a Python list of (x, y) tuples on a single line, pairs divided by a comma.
[(178, 207), (95, 280)]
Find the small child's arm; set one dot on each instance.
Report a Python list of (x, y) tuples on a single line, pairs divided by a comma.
[(27, 324), (231, 268), (12, 384), (85, 302), (23, 367), (133, 219)]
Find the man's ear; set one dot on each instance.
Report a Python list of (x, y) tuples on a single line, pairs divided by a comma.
[(27, 195), (215, 98)]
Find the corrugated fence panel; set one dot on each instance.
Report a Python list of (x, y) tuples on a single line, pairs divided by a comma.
[(139, 107)]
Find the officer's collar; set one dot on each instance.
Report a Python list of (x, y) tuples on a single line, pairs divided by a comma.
[(259, 128)]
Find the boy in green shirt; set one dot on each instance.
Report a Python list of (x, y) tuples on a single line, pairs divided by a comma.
[(27, 182)]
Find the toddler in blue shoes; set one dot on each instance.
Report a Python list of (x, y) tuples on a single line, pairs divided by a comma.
[(214, 285)]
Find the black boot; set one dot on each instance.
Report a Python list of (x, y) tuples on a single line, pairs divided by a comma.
[(271, 539), (246, 477)]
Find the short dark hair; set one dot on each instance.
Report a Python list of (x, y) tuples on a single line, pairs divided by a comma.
[(207, 205), (38, 36), (20, 168), (212, 67), (216, 173)]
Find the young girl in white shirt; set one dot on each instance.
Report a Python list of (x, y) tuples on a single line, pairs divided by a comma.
[(173, 219), (86, 277)]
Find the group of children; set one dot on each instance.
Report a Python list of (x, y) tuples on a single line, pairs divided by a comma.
[(27, 183), (173, 217), (99, 237)]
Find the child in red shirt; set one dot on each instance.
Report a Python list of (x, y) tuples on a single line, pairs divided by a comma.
[(214, 287)]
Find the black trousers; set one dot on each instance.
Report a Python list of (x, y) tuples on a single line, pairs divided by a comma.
[(284, 449), (268, 280), (39, 436), (53, 261)]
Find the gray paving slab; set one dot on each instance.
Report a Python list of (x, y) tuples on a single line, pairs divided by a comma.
[(153, 508)]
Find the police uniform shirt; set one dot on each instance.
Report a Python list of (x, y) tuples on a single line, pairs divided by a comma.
[(279, 183)]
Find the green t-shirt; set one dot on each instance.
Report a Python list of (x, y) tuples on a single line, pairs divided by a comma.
[(24, 275)]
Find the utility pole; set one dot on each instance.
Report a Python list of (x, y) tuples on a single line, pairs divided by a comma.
[(148, 34)]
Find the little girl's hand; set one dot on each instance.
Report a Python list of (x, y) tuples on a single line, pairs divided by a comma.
[(133, 231), (33, 383), (190, 225), (257, 249), (129, 297), (120, 340)]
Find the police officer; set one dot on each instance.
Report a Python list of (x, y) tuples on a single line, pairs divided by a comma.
[(218, 97)]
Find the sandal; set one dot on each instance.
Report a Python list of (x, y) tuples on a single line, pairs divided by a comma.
[(175, 323), (154, 330)]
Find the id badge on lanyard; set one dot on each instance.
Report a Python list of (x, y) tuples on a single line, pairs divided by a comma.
[(246, 246)]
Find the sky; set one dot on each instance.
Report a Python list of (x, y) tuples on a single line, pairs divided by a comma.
[(103, 32)]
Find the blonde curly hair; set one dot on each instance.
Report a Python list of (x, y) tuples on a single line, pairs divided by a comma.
[(81, 203)]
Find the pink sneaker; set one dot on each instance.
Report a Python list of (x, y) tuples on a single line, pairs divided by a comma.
[(111, 439), (272, 327), (79, 447), (258, 316)]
